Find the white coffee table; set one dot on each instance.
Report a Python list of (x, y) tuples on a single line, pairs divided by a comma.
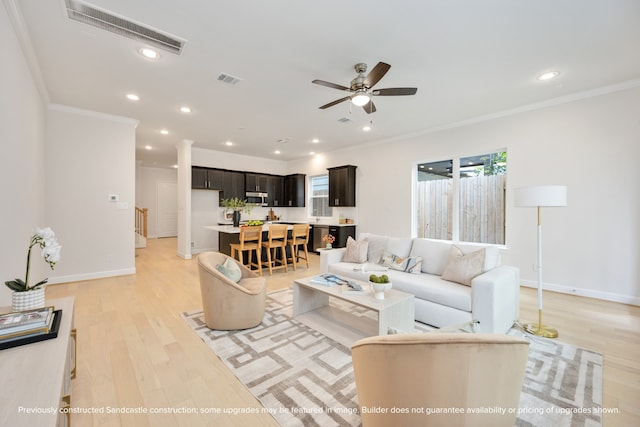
[(311, 307)]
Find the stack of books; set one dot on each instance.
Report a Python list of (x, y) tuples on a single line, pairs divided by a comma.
[(26, 326), (327, 279)]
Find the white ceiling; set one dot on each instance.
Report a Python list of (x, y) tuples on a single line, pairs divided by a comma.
[(468, 58)]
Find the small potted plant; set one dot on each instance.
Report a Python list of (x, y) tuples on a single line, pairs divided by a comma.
[(24, 296), (379, 284), (328, 240), (237, 206)]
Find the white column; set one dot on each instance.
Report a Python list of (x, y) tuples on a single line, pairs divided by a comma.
[(184, 198)]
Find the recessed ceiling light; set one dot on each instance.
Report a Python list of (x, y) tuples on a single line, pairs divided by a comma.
[(175, 166), (315, 140), (149, 53), (312, 153), (228, 143), (366, 128), (148, 147), (133, 97), (185, 109), (277, 152), (164, 132), (421, 166), (548, 76)]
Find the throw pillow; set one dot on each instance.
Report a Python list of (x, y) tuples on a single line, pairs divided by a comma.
[(230, 269), (411, 265), (463, 268), (356, 251)]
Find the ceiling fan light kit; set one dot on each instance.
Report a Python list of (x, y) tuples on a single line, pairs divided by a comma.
[(360, 99), (361, 87)]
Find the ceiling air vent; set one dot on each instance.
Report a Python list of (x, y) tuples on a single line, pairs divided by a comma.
[(89, 14), (228, 78), (344, 120)]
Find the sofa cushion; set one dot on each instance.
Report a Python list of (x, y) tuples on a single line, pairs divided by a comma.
[(408, 264), (462, 268), (356, 251), (230, 269), (491, 254), (432, 288), (424, 286), (434, 253), (400, 246), (377, 245)]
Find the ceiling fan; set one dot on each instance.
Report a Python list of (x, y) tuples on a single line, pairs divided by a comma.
[(361, 87)]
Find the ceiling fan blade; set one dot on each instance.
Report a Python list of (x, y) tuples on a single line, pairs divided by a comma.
[(376, 74), (337, 101), (369, 107), (395, 91), (331, 85)]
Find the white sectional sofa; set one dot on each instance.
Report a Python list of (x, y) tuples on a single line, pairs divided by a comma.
[(492, 299)]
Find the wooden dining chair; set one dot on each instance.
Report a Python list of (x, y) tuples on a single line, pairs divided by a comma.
[(250, 242), (277, 239), (299, 239)]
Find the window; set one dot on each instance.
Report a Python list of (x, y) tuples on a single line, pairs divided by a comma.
[(319, 196), (463, 198)]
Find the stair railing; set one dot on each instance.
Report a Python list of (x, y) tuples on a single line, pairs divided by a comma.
[(141, 221)]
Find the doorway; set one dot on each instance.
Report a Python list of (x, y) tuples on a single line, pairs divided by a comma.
[(167, 209)]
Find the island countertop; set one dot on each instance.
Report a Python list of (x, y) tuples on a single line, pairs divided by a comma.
[(230, 229)]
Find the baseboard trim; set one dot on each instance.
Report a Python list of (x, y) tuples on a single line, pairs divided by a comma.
[(589, 293), (91, 276)]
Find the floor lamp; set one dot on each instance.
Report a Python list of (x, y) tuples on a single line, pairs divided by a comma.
[(538, 197)]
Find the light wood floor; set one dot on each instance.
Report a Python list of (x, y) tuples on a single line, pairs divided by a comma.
[(135, 352)]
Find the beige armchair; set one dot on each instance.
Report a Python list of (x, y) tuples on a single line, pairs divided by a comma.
[(420, 374), (228, 305)]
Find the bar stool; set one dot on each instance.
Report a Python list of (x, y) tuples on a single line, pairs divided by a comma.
[(277, 238), (299, 238), (250, 240)]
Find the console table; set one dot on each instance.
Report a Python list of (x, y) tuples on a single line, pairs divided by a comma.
[(36, 378)]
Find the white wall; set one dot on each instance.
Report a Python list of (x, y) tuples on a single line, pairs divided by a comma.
[(147, 180), (89, 157), (591, 145), (22, 192)]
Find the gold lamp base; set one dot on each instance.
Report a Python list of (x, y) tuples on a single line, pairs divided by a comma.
[(539, 329)]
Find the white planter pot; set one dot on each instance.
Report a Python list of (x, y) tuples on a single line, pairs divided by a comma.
[(379, 289), (27, 300)]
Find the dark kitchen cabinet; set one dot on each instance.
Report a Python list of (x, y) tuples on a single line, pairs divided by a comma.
[(342, 186), (341, 234), (256, 182), (233, 185), (294, 191), (206, 178), (275, 191)]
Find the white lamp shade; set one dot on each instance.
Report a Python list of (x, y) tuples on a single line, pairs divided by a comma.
[(360, 99), (542, 195)]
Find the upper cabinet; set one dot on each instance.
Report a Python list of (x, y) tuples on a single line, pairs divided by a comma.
[(232, 185), (294, 190), (206, 178), (237, 184), (256, 182), (342, 186)]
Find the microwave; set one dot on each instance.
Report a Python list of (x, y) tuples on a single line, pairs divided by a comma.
[(256, 198)]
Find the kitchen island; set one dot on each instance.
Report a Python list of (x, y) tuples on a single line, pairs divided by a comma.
[(228, 234)]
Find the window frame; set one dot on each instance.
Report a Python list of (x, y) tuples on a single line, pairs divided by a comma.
[(456, 195), (328, 210)]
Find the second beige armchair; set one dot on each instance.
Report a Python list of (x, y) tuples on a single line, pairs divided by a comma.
[(448, 372), (229, 305)]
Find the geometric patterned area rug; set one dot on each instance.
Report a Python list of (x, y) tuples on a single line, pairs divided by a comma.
[(303, 378)]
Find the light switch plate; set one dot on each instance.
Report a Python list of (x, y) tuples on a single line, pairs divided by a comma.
[(123, 205)]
